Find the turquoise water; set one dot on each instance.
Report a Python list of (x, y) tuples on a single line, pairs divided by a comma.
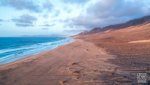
[(14, 48)]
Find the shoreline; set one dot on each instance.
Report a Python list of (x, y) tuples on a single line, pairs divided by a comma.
[(35, 55), (23, 56), (79, 62)]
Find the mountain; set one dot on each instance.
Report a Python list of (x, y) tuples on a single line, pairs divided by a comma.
[(134, 22), (129, 43)]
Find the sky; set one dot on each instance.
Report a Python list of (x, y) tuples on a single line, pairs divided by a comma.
[(65, 17)]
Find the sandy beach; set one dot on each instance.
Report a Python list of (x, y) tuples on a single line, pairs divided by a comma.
[(75, 42), (113, 57), (78, 63)]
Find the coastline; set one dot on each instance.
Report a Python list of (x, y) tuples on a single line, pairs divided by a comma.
[(40, 49), (35, 55), (84, 61), (79, 62)]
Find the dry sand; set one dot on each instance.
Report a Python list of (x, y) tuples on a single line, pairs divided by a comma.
[(87, 62), (140, 41), (78, 63), (131, 58)]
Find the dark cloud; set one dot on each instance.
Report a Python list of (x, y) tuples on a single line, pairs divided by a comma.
[(31, 5), (21, 5), (48, 25), (23, 25), (25, 20)]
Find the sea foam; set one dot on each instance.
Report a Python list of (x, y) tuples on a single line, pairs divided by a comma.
[(11, 55)]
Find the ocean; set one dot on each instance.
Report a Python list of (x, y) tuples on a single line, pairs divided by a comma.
[(15, 48)]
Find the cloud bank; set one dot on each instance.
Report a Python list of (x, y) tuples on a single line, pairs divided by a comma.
[(24, 20), (101, 13), (21, 5), (73, 16)]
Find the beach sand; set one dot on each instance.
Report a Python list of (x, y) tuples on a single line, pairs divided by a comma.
[(131, 48), (78, 63), (103, 58)]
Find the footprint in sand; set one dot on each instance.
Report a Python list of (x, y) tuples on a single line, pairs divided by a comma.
[(87, 49), (74, 70), (76, 75), (63, 82), (74, 63)]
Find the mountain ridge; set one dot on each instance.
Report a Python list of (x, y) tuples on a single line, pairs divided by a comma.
[(133, 22)]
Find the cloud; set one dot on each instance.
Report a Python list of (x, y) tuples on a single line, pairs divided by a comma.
[(70, 16), (45, 28), (47, 5), (1, 20), (47, 25), (25, 20), (115, 8), (101, 13), (22, 5), (30, 5)]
